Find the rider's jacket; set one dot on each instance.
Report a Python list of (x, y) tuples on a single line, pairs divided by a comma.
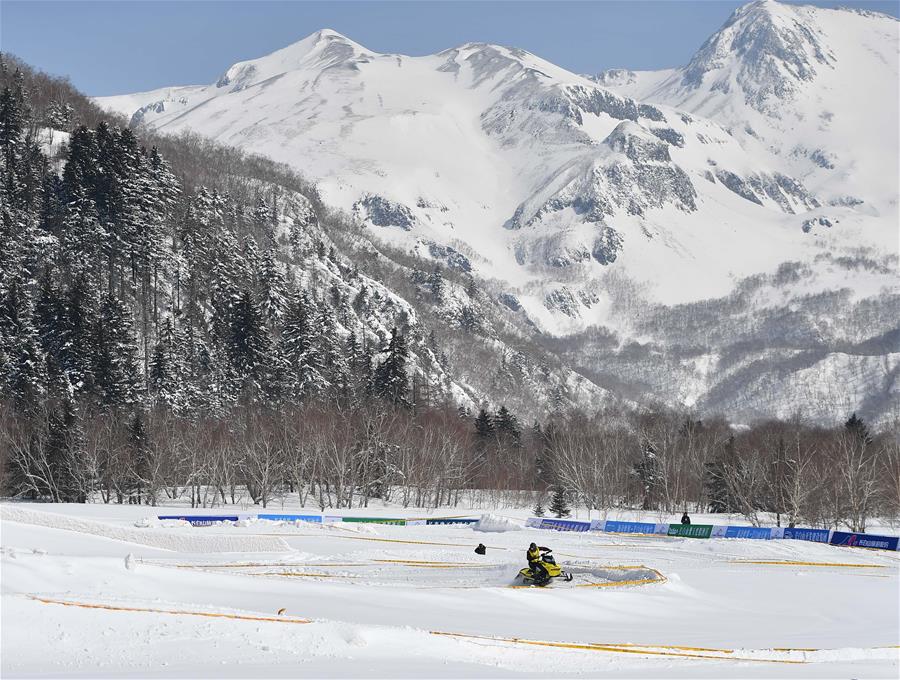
[(534, 555)]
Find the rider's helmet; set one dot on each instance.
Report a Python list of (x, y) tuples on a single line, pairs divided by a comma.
[(533, 546)]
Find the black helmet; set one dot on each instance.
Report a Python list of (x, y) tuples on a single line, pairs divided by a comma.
[(533, 546)]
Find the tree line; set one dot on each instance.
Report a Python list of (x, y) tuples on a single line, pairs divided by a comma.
[(668, 462)]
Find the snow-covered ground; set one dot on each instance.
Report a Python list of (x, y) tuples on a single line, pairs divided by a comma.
[(380, 601)]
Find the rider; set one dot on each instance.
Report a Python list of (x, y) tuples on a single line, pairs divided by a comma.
[(534, 555)]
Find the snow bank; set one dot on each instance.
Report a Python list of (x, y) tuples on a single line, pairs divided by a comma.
[(496, 524), (155, 522), (186, 542)]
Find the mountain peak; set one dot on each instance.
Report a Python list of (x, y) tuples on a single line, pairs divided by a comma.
[(766, 48), (329, 33), (770, 7), (322, 49)]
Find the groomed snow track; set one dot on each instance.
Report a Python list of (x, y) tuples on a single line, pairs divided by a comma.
[(415, 601), (436, 574)]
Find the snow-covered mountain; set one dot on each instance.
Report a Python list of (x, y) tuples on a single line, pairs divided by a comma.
[(817, 88), (616, 200)]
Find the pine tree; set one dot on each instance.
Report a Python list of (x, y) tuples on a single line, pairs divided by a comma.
[(274, 302), (192, 349), (114, 370), (539, 507), (224, 296), (507, 426), (25, 374), (468, 319), (715, 481), (857, 427), (360, 365), (14, 173), (361, 301), (78, 335), (63, 453), (83, 237), (11, 129), (536, 444), (218, 386), (558, 400), (485, 436), (82, 163), (648, 473), (264, 222), (277, 389), (484, 424), (303, 363), (165, 184), (11, 120), (297, 239), (364, 365), (50, 316), (164, 378), (559, 504), (331, 352), (390, 380), (437, 285), (59, 115), (252, 261), (139, 450), (250, 349), (53, 201), (503, 378), (115, 194)]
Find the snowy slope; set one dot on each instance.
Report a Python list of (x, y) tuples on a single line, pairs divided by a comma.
[(587, 206)]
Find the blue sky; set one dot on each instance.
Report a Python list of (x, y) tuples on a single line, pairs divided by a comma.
[(128, 46)]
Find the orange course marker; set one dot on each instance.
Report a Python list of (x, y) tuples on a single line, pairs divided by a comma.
[(790, 563), (615, 649), (176, 612)]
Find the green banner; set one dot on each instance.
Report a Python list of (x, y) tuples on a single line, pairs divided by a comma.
[(690, 530), (374, 520)]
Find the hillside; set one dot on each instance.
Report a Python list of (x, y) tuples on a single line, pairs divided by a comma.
[(183, 234)]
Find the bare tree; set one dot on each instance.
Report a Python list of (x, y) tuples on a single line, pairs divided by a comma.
[(858, 463)]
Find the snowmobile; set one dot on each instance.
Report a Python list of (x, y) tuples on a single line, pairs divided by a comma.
[(551, 570)]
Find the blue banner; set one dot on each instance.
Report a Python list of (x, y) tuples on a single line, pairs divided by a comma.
[(565, 525), (864, 540), (763, 533), (292, 518), (630, 527), (816, 535), (202, 520), (457, 520)]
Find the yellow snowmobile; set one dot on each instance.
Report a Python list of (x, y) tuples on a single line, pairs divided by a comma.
[(550, 569)]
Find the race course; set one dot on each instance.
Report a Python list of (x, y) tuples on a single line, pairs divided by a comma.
[(97, 591)]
